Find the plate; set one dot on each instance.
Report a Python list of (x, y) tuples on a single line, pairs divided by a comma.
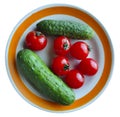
[(102, 52)]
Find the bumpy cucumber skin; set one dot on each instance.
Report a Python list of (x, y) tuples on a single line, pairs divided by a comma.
[(70, 29), (48, 84)]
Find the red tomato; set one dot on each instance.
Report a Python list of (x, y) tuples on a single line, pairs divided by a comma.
[(74, 79), (35, 40), (61, 45), (60, 65), (79, 50), (88, 66)]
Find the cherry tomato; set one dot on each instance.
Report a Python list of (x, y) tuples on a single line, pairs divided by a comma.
[(88, 66), (35, 40), (74, 79), (61, 45), (60, 65), (79, 50)]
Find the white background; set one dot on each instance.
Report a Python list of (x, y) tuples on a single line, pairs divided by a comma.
[(107, 104)]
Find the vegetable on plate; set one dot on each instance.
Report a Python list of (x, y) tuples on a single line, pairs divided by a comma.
[(70, 29), (88, 66), (74, 79), (42, 78), (79, 50), (35, 40), (60, 65), (62, 45)]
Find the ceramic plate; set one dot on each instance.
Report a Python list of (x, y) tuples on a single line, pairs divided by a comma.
[(102, 52)]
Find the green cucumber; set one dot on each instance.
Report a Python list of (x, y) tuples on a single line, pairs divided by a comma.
[(71, 29), (41, 77)]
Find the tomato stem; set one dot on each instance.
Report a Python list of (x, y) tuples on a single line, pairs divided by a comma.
[(38, 33), (89, 48), (66, 67), (65, 45)]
